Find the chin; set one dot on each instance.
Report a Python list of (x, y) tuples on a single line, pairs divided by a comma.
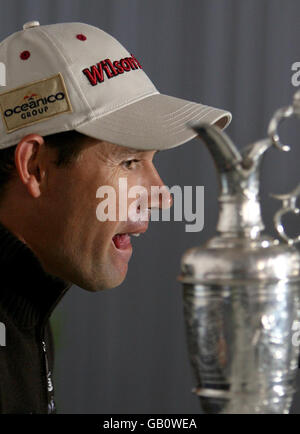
[(96, 278), (101, 284)]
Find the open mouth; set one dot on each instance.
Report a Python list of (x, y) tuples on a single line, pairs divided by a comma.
[(122, 241)]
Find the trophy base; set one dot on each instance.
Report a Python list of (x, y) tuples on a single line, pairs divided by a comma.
[(245, 404)]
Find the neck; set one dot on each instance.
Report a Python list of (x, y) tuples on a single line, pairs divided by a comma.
[(28, 292)]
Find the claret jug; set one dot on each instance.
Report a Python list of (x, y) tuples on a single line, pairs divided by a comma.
[(241, 288)]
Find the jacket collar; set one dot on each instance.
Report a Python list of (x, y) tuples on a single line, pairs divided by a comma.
[(27, 293)]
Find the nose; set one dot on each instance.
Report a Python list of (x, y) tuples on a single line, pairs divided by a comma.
[(158, 193)]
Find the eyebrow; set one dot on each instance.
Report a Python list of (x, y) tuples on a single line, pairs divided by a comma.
[(128, 152)]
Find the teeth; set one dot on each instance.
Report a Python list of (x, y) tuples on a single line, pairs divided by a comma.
[(136, 235)]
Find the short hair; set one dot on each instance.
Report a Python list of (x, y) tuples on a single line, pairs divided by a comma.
[(67, 144)]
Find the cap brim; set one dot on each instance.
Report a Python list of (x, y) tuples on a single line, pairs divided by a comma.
[(156, 122)]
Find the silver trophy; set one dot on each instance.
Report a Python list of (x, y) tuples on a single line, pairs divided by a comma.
[(242, 288)]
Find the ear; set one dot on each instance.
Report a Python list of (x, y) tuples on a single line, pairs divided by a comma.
[(28, 161)]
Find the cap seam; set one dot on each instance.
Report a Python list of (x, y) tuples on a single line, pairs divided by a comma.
[(171, 132), (187, 114), (74, 81), (119, 106), (175, 116), (10, 38)]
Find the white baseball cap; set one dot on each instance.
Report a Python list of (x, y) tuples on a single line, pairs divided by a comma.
[(74, 76)]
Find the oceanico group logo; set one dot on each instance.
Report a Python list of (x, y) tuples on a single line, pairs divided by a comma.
[(2, 75), (33, 104)]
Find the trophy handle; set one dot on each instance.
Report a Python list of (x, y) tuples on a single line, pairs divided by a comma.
[(289, 199), (279, 116), (288, 205)]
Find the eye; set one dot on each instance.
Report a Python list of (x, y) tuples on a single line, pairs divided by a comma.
[(130, 164)]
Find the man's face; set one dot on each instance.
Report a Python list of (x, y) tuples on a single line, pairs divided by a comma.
[(75, 245)]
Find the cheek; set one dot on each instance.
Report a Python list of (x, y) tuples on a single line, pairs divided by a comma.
[(72, 203), (75, 190)]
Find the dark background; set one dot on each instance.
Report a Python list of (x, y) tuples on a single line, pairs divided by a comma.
[(124, 350)]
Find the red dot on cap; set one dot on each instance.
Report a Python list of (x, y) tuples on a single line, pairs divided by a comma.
[(81, 37), (25, 55)]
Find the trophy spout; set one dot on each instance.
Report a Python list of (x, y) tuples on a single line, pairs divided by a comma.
[(226, 157), (238, 173)]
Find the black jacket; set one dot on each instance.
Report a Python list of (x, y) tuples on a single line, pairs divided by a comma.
[(28, 296)]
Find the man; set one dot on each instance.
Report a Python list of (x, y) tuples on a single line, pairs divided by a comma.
[(78, 112)]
